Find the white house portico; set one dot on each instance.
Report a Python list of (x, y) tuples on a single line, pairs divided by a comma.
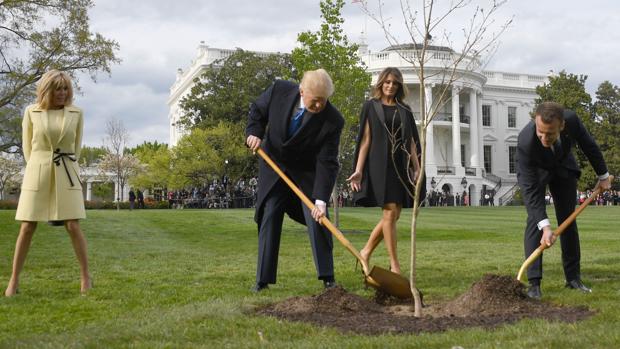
[(471, 142)]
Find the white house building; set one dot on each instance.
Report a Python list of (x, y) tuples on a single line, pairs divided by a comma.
[(471, 146)]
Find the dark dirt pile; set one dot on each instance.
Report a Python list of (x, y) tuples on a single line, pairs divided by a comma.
[(491, 302), (494, 294)]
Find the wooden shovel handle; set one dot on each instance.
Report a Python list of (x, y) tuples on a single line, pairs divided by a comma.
[(324, 221), (568, 221)]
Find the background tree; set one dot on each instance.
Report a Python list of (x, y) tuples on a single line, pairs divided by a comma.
[(225, 90), (223, 94), (90, 156), (119, 164), (607, 131), (31, 44), (570, 91), (422, 21), (11, 121), (9, 171), (156, 160), (330, 49), (103, 190), (145, 148), (200, 156)]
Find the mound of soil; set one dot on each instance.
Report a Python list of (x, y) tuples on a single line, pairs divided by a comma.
[(494, 294), (493, 301)]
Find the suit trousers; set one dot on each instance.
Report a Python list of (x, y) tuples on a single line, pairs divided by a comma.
[(563, 189), (270, 230)]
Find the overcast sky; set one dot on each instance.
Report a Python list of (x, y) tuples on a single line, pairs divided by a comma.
[(157, 37)]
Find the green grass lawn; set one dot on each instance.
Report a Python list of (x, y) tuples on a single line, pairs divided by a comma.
[(181, 279)]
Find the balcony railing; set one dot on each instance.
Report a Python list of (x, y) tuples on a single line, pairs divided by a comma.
[(464, 119), (470, 171), (445, 170), (444, 117)]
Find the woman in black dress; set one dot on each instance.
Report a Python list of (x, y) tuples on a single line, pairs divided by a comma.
[(386, 160)]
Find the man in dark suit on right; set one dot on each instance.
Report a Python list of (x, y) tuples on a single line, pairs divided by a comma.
[(544, 158)]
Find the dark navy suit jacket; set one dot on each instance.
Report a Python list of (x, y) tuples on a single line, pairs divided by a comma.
[(309, 158), (537, 164)]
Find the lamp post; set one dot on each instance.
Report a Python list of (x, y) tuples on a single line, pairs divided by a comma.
[(433, 183), (464, 184), (225, 179)]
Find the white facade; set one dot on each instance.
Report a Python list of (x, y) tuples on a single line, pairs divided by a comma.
[(472, 142), (184, 82)]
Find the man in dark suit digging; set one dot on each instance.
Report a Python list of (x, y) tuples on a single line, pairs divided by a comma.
[(300, 130), (544, 158)]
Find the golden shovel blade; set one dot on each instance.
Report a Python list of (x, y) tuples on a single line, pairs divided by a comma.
[(389, 282)]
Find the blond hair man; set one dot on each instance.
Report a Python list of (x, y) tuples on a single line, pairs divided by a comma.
[(300, 130)]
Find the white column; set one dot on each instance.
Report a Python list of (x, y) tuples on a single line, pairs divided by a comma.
[(456, 129), (89, 191), (430, 134), (473, 129), (480, 142)]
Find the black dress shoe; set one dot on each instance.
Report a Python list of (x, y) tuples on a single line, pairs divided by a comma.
[(329, 284), (259, 287), (578, 285), (534, 292)]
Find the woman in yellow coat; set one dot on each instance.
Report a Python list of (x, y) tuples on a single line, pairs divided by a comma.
[(51, 189)]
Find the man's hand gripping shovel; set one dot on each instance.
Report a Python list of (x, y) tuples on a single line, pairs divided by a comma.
[(538, 252)]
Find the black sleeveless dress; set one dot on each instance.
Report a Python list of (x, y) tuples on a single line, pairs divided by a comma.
[(395, 191)]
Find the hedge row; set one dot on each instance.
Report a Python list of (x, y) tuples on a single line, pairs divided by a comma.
[(96, 205)]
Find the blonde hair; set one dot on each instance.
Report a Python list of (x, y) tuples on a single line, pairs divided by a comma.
[(51, 81), (318, 82), (377, 90)]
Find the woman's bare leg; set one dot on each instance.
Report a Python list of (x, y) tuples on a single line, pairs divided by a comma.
[(391, 213), (375, 238), (80, 248), (26, 231)]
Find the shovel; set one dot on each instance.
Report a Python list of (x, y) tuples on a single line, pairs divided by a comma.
[(378, 278), (558, 231)]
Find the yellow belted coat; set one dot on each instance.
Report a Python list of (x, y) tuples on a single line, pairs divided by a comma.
[(51, 188)]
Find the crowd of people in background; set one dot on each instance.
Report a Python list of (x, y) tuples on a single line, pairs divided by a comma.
[(219, 194), (607, 198), (443, 198)]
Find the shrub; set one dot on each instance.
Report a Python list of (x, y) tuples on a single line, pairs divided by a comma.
[(8, 204), (110, 205)]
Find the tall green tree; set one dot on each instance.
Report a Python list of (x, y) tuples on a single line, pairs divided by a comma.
[(607, 116), (147, 148), (330, 49), (91, 155), (225, 90), (570, 91), (155, 158), (31, 44), (207, 154)]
